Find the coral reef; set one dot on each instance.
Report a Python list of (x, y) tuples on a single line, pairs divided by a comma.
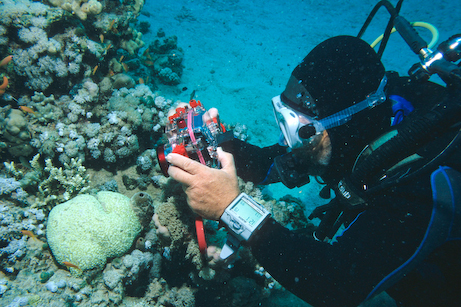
[(87, 230), (80, 186), (159, 294), (164, 58), (47, 42), (15, 133), (81, 8), (142, 205), (47, 181)]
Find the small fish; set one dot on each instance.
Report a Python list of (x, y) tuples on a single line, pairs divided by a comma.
[(94, 69), (148, 63), (192, 95), (121, 58), (111, 27), (147, 79), (71, 265), (125, 67), (28, 233), (141, 81), (3, 85), (111, 73), (26, 109), (146, 53), (6, 60), (8, 97), (101, 38), (108, 47)]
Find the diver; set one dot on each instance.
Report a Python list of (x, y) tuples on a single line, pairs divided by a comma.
[(389, 148)]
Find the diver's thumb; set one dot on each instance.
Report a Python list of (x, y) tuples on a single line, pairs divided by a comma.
[(226, 159)]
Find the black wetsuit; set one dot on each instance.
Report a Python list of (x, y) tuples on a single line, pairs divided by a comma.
[(379, 241)]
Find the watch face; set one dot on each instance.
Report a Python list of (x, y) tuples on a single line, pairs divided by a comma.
[(247, 212)]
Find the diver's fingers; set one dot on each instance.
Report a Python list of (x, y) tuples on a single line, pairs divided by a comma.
[(210, 114), (227, 161), (182, 168)]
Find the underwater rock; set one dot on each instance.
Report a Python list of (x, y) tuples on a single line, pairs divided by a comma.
[(130, 183), (16, 133), (142, 205), (123, 80)]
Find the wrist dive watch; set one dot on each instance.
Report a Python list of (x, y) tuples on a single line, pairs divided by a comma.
[(242, 218)]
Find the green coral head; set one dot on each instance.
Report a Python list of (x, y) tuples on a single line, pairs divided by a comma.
[(87, 230)]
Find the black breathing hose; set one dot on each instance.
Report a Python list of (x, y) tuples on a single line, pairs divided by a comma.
[(394, 11), (417, 131)]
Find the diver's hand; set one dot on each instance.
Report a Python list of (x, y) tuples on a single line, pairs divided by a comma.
[(210, 114), (209, 191)]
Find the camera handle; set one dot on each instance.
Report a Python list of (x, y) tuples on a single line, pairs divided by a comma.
[(199, 228)]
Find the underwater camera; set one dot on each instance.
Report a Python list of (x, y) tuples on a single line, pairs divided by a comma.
[(189, 136)]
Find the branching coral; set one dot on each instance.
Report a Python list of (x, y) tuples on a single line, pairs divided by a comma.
[(71, 180), (81, 8), (55, 185)]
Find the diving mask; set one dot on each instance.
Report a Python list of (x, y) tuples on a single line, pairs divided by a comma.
[(299, 129)]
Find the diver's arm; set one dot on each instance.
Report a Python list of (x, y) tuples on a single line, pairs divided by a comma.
[(252, 162), (345, 272)]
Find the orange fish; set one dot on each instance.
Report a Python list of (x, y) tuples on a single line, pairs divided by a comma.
[(6, 60), (3, 85), (111, 73), (94, 69), (71, 265), (111, 27), (101, 38), (27, 109), (108, 47), (121, 58), (141, 81), (148, 63), (28, 233), (125, 67), (147, 79)]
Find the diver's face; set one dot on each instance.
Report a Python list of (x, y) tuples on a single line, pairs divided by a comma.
[(315, 147), (318, 152)]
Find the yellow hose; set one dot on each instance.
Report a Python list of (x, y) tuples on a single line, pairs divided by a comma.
[(434, 31)]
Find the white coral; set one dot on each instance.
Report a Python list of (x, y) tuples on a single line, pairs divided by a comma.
[(112, 117)]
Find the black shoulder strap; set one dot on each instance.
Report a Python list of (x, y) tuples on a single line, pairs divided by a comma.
[(445, 223)]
